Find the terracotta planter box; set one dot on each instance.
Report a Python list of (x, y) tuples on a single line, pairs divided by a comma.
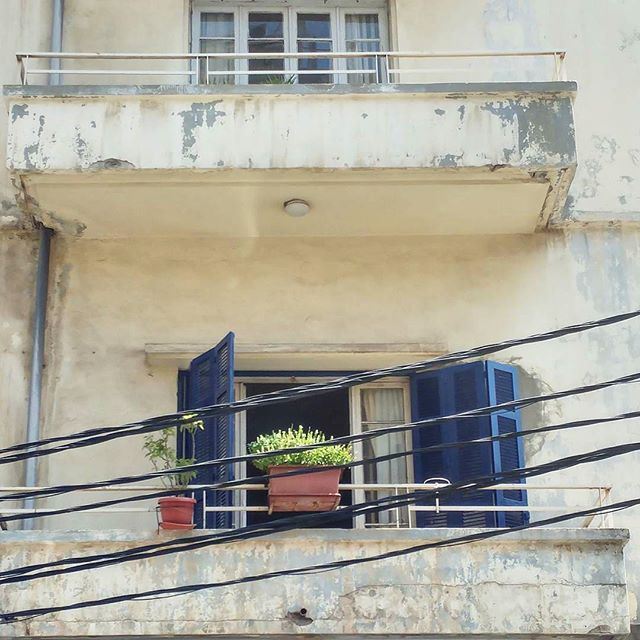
[(317, 491), (176, 513)]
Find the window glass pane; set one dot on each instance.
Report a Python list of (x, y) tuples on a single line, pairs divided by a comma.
[(266, 64), (266, 35), (382, 408), (217, 65), (266, 25), (362, 26), (216, 25), (314, 25), (314, 36)]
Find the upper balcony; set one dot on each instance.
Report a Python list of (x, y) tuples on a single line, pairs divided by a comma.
[(377, 148)]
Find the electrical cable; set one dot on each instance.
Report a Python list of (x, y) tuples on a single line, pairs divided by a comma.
[(97, 435), (383, 504), (482, 411)]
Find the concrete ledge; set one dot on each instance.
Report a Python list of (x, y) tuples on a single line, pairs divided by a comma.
[(452, 88), (618, 537)]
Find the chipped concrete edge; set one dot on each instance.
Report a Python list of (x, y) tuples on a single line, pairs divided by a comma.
[(451, 89)]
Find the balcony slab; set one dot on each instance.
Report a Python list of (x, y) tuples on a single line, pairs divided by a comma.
[(375, 160), (531, 584)]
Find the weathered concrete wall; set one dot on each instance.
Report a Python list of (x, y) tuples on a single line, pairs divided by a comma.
[(528, 127), (603, 53), (537, 584)]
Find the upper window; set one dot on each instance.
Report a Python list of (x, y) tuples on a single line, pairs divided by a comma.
[(297, 27)]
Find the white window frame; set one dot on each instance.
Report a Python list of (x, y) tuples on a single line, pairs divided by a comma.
[(355, 427), (290, 8), (355, 407)]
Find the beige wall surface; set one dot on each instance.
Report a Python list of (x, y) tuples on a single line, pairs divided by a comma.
[(17, 276)]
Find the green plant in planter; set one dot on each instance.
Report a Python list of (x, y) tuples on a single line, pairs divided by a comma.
[(329, 456), (160, 450)]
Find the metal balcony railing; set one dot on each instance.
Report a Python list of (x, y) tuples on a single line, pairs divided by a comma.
[(379, 67), (403, 517)]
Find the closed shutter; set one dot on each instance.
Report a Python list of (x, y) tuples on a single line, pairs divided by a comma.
[(211, 382), (507, 454), (455, 390)]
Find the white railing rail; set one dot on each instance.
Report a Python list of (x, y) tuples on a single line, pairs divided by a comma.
[(376, 67), (600, 495)]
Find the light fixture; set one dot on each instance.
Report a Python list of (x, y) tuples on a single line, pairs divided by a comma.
[(296, 207)]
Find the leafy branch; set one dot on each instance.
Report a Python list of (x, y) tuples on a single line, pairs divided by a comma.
[(160, 450)]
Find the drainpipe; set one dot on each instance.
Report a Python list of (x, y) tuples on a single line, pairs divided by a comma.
[(56, 39), (37, 361)]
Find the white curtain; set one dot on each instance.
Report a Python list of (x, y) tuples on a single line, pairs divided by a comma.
[(382, 408), (362, 34)]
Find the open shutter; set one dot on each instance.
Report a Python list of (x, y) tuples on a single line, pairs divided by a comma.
[(457, 389), (211, 382), (507, 454), (454, 390)]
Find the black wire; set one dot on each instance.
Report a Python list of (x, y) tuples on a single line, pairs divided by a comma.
[(63, 489), (97, 435), (505, 406), (17, 616), (376, 433), (383, 504)]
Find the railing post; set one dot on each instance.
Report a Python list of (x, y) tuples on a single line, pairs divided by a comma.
[(386, 66)]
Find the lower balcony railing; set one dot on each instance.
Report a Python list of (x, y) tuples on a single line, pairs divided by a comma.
[(552, 499)]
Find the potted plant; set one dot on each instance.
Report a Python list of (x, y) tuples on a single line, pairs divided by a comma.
[(176, 512), (314, 491)]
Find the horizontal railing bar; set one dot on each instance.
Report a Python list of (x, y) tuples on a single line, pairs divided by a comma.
[(493, 508), (106, 510), (112, 72), (336, 54), (295, 72), (342, 487)]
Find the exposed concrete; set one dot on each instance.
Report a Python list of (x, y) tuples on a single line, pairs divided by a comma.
[(534, 585)]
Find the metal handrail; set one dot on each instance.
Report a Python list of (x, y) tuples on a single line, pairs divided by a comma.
[(383, 68), (602, 499)]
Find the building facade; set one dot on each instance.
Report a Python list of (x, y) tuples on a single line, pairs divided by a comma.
[(311, 188)]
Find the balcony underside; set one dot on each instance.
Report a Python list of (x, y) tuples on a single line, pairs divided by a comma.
[(385, 160), (249, 203)]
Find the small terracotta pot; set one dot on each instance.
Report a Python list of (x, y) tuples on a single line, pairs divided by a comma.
[(316, 491), (176, 512)]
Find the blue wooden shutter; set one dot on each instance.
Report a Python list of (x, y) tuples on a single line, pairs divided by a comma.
[(211, 382), (507, 454), (448, 391)]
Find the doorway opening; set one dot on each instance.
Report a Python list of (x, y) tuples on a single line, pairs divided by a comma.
[(328, 412)]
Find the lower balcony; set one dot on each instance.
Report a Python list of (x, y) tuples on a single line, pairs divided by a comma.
[(546, 583)]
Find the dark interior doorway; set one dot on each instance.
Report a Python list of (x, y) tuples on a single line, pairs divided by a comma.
[(328, 412)]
